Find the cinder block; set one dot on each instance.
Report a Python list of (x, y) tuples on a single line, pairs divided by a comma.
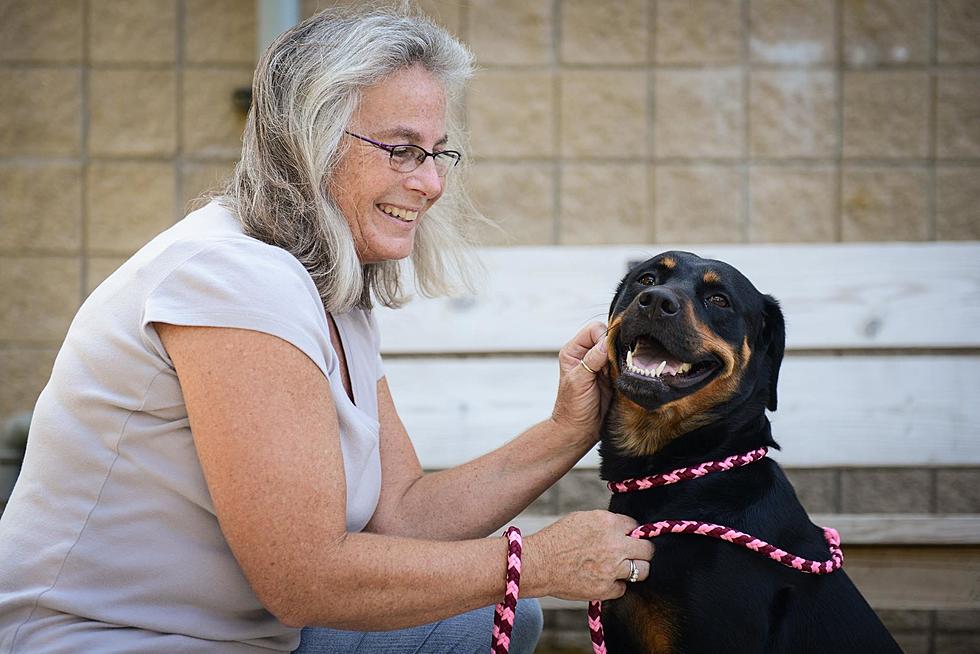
[(40, 297), (98, 268), (792, 32), (958, 31), (128, 204), (958, 203), (41, 207), (612, 32), (517, 197), (447, 13), (913, 642), (24, 370), (899, 620), (511, 114), (133, 112), (698, 204), (884, 204), (703, 32), (898, 490), (699, 113), (511, 31), (142, 31), (604, 114), (582, 490), (817, 489), (957, 643), (958, 491), (604, 203), (886, 32), (200, 179), (793, 114), (958, 117), (40, 112), (792, 204), (886, 115), (965, 620), (219, 32), (212, 125), (41, 31)]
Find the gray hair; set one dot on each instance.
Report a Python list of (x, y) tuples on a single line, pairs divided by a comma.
[(306, 88)]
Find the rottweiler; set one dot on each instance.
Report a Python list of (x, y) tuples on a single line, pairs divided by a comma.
[(695, 352)]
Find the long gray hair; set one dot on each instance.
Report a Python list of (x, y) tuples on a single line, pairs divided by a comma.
[(306, 88)]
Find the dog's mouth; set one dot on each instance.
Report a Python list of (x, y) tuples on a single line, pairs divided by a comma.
[(650, 361)]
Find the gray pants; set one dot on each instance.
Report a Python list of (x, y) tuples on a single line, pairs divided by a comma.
[(462, 634)]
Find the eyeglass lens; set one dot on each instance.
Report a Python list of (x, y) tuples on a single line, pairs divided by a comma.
[(406, 158)]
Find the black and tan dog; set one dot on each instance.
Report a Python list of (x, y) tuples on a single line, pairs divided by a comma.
[(695, 352)]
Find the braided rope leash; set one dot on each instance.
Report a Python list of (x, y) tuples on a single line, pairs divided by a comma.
[(721, 532), (503, 617)]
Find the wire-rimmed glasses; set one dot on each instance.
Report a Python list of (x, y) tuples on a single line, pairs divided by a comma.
[(407, 157)]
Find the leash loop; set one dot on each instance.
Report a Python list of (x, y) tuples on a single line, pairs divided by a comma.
[(654, 529), (503, 617)]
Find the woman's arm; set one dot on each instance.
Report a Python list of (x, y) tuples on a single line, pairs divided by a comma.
[(266, 433), (485, 493)]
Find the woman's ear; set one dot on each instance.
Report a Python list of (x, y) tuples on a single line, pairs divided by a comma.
[(774, 339)]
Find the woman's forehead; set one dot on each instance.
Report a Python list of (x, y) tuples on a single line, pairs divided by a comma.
[(410, 104)]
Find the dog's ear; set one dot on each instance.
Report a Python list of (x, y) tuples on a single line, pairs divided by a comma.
[(774, 339)]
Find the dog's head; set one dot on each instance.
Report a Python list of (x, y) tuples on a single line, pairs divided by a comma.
[(691, 342)]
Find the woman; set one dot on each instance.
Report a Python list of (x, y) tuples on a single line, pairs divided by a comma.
[(217, 462)]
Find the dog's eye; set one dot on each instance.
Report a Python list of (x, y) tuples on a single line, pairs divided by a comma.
[(648, 280), (719, 300)]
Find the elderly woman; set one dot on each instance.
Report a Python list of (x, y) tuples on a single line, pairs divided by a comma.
[(217, 462)]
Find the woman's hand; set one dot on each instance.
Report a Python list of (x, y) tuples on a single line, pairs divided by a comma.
[(583, 395), (585, 556)]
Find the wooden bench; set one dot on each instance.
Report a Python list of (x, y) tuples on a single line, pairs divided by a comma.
[(882, 370)]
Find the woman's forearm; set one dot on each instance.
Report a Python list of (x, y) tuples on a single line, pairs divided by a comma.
[(476, 498), (368, 582)]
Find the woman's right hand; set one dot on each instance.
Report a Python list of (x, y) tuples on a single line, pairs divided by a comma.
[(585, 556)]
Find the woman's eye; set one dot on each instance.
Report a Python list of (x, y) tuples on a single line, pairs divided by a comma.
[(719, 300), (647, 280)]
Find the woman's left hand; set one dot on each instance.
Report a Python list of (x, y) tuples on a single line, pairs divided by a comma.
[(583, 390)]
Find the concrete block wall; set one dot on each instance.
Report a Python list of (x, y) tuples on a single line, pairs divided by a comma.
[(622, 121), (628, 121)]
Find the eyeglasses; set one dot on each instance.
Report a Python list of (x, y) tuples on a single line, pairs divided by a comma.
[(406, 158)]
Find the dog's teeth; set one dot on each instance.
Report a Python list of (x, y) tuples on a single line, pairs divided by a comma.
[(660, 368), (629, 358), (684, 367)]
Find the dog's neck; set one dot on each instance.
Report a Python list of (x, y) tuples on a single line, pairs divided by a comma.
[(712, 442)]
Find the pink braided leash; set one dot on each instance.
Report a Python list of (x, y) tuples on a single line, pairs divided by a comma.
[(757, 545), (503, 617)]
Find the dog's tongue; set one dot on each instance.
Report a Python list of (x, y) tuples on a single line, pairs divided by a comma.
[(649, 355)]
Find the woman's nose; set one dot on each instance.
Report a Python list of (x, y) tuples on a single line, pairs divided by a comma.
[(425, 179)]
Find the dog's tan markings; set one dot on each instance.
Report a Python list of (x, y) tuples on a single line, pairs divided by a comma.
[(712, 277), (652, 620), (611, 334), (641, 432), (668, 262)]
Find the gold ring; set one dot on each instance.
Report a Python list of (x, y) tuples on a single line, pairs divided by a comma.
[(586, 366)]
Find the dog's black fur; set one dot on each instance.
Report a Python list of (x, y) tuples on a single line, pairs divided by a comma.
[(703, 594)]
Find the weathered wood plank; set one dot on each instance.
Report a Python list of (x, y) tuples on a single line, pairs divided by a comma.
[(904, 578), (833, 411), (861, 528), (841, 296)]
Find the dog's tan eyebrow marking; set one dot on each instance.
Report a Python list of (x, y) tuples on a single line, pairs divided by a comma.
[(711, 277), (668, 262)]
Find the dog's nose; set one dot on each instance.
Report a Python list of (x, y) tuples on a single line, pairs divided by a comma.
[(660, 302)]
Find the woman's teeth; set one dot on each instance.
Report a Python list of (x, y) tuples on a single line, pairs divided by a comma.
[(402, 214)]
